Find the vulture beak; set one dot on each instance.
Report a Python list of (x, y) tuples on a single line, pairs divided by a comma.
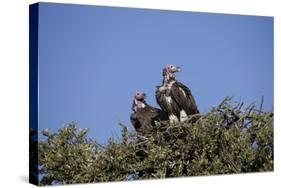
[(178, 69), (144, 95)]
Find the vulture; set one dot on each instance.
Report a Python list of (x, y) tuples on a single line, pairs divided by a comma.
[(174, 97), (144, 116)]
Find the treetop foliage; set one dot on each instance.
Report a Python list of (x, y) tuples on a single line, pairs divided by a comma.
[(229, 139)]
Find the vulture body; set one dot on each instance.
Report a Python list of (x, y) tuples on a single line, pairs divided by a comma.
[(174, 97), (144, 116)]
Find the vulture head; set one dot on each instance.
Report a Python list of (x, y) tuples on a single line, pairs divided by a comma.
[(140, 96), (139, 101), (169, 70)]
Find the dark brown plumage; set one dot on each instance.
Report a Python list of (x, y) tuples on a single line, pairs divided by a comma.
[(174, 97), (144, 116)]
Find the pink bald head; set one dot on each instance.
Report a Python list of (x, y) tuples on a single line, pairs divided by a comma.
[(170, 70)]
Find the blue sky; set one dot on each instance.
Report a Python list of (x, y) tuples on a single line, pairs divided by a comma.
[(92, 60)]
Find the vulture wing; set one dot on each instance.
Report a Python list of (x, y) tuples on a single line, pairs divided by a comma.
[(183, 97), (156, 114), (170, 107), (135, 122), (160, 98), (144, 119)]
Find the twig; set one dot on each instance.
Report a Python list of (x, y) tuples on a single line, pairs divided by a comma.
[(98, 144), (235, 107), (120, 123), (250, 110), (240, 106), (250, 106), (222, 103), (262, 99), (249, 122)]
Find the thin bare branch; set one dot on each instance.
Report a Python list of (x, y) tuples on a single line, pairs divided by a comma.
[(261, 104)]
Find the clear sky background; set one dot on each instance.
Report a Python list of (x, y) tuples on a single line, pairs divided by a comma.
[(93, 59)]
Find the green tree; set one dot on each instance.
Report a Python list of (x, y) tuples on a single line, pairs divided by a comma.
[(229, 139)]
